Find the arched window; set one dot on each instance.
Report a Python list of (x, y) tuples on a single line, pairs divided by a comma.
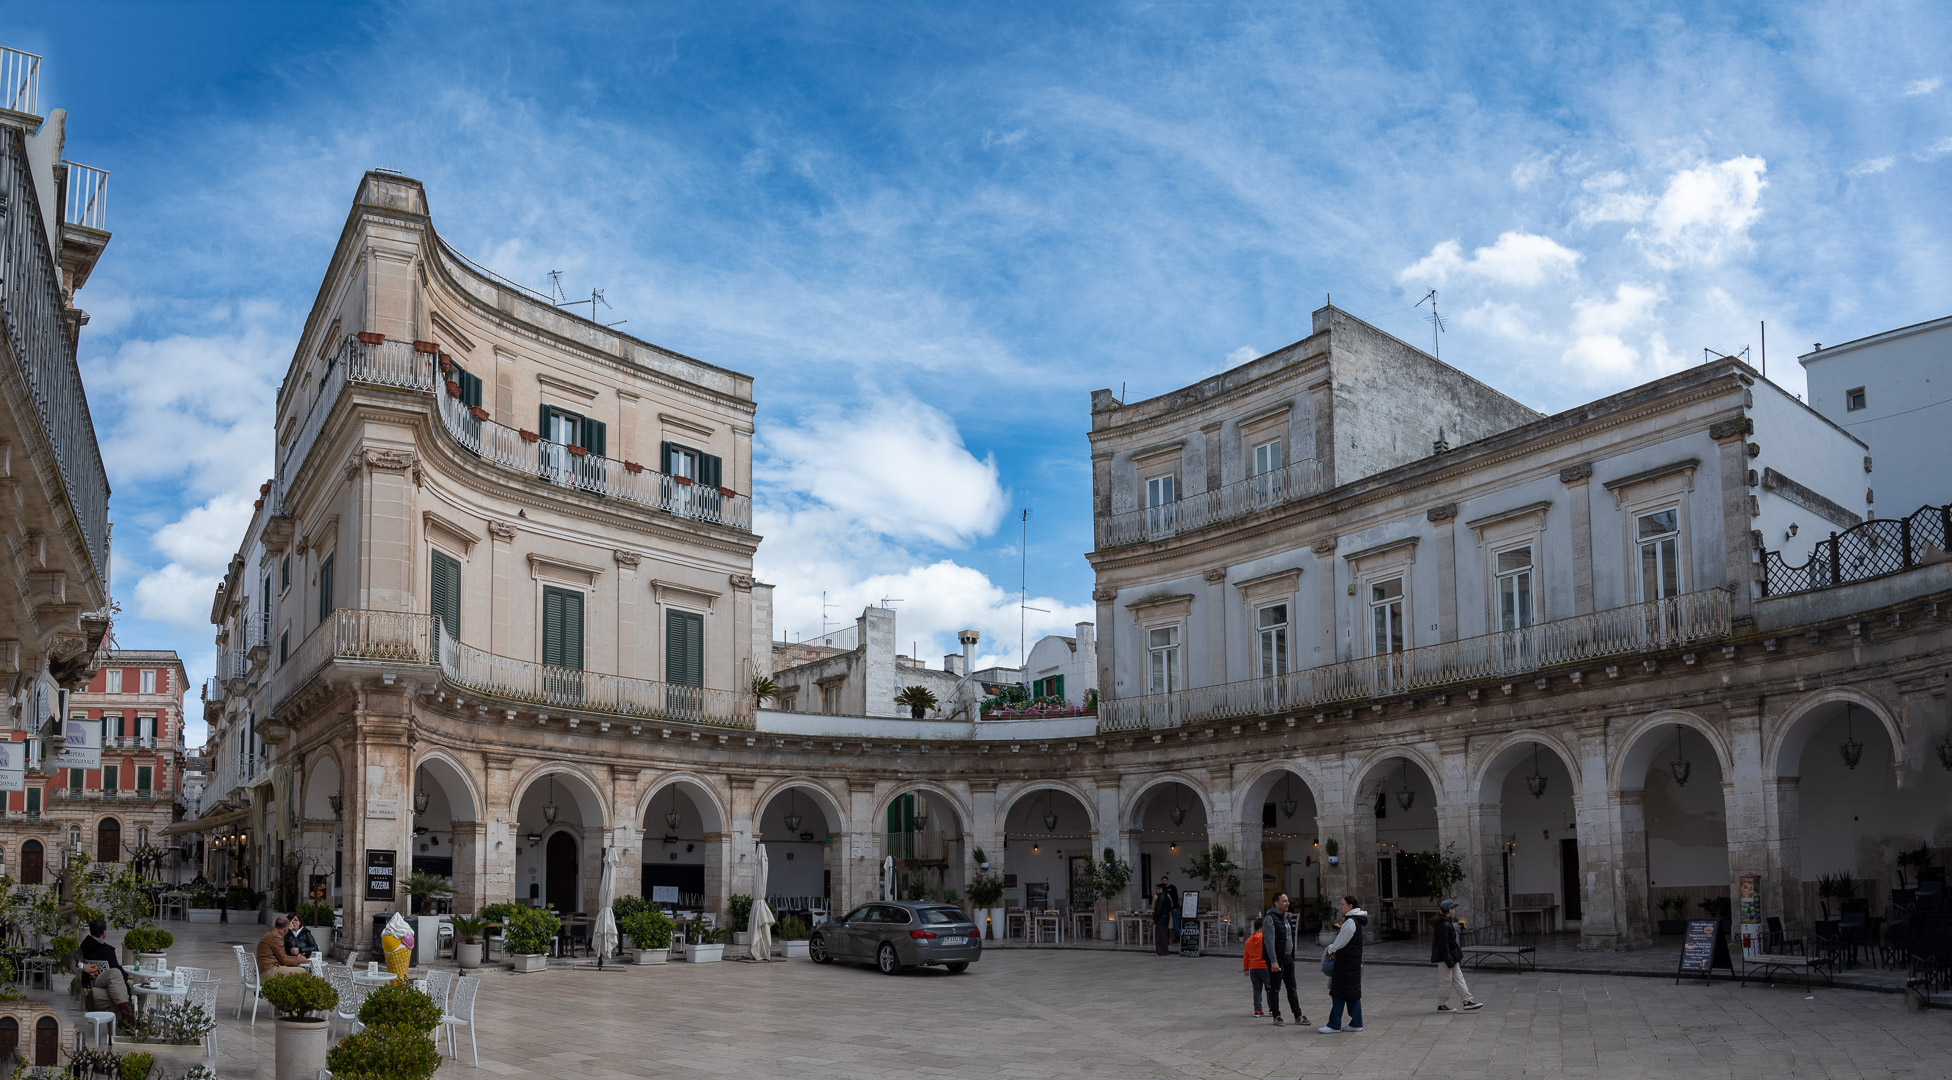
[(142, 836), (31, 857), (108, 841)]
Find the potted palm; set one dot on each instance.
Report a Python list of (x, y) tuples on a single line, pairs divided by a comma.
[(301, 1001), (918, 700), (741, 906), (1670, 921), (467, 940), (426, 891), (1109, 877), (526, 936), (171, 1033), (709, 946), (1838, 887), (986, 895), (793, 933), (649, 931), (763, 690)]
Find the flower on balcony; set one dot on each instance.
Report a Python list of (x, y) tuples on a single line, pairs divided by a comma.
[(685, 480), (633, 467), (426, 347), (453, 389), (367, 337), (726, 491), (528, 436), (478, 412)]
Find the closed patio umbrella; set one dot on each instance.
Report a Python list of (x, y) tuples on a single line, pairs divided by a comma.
[(603, 936), (888, 877), (760, 923)]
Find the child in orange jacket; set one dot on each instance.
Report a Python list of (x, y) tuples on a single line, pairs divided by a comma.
[(1254, 963)]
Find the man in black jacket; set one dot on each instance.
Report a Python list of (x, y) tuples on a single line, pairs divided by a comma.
[(1447, 952), (103, 970), (1278, 942)]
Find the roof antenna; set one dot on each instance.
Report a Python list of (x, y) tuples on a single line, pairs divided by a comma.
[(562, 299), (1436, 323)]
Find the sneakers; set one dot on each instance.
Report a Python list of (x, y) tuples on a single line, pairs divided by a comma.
[(1278, 1021), (1469, 1005), (1353, 1027), (1330, 1031), (1445, 1008), (1258, 1012)]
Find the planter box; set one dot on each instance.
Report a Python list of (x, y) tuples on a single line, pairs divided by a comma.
[(704, 954), (795, 950), (204, 914), (172, 1059), (301, 1048), (648, 957), (467, 954), (523, 962), (742, 938)]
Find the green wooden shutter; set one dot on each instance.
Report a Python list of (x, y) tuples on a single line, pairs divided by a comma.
[(445, 599), (664, 458), (594, 437), (562, 627), (710, 470), (1060, 687), (684, 648), (325, 589), (470, 386)]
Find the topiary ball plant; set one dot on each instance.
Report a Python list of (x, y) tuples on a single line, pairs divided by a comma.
[(148, 939), (398, 1004), (384, 1052), (647, 929), (300, 996)]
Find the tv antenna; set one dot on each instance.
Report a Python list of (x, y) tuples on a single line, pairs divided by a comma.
[(894, 620), (1710, 355), (1023, 596), (562, 299), (823, 613), (1436, 322)]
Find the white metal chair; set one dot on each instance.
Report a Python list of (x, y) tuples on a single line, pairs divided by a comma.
[(247, 979), (459, 1012), (341, 980), (187, 975), (439, 983), (352, 995), (203, 994)]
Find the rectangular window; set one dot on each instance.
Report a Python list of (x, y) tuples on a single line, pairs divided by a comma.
[(445, 583), (145, 778), (1162, 647), (1159, 491), (75, 777), (111, 778), (562, 627), (284, 573), (284, 645), (830, 700), (684, 648), (1515, 588), (1386, 616), (470, 384), (114, 683), (1160, 496), (146, 728), (574, 429), (148, 681), (680, 460), (1854, 399), (1658, 535), (1272, 625), (325, 588), (1267, 457), (34, 799)]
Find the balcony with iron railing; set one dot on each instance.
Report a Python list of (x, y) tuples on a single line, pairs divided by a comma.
[(353, 636), (87, 205), (34, 316), (399, 365), (1867, 550), (1636, 629), (1228, 502), (20, 81)]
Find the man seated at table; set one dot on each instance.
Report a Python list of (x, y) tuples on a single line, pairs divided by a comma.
[(272, 954), (103, 971)]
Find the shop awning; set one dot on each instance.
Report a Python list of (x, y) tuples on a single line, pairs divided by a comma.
[(206, 824)]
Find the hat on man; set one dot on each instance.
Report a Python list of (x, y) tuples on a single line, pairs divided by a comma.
[(1447, 905)]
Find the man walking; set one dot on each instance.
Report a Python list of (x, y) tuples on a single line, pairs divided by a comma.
[(1162, 918), (1345, 983), (1447, 952), (1278, 942)]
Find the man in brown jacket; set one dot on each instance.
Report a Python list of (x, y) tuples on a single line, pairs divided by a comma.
[(272, 954)]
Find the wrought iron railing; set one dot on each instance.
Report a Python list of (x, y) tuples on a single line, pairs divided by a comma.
[(408, 638), (33, 312), (20, 81), (1867, 550), (1295, 480), (87, 197), (1616, 632), (392, 364)]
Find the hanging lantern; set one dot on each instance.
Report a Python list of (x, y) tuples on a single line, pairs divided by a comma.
[(338, 801), (921, 814), (549, 808), (1404, 796), (1851, 749), (1178, 812), (1050, 815), (792, 813), (1536, 781), (1287, 800), (672, 818), (420, 797), (1680, 766)]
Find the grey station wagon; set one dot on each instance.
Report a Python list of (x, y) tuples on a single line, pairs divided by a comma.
[(893, 935)]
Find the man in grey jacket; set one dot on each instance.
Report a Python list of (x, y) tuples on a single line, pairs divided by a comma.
[(1278, 942)]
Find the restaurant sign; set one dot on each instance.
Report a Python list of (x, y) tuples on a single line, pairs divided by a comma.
[(380, 866)]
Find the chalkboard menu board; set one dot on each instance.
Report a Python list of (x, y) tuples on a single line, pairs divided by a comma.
[(380, 866), (1703, 950)]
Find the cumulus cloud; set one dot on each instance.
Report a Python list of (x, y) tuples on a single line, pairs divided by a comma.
[(1601, 327), (1921, 87), (1872, 166), (1514, 322), (1700, 217), (1517, 258)]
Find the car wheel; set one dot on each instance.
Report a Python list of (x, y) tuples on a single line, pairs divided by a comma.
[(887, 961), (817, 950), (957, 968)]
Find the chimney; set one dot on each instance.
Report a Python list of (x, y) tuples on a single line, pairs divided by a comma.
[(952, 663), (969, 638), (1084, 633)]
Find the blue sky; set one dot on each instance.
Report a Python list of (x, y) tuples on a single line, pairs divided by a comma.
[(931, 231)]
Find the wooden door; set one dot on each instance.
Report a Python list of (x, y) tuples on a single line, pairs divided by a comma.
[(1274, 876), (47, 1041), (108, 841), (30, 862), (1568, 879), (561, 873)]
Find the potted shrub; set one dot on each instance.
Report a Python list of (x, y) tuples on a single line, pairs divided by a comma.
[(1324, 919), (398, 1004), (1333, 851), (741, 906), (171, 1032), (986, 893), (526, 936), (1838, 887), (1109, 876), (149, 943), (709, 948), (1720, 909), (649, 931), (136, 1065), (395, 1044), (241, 899), (301, 1001), (206, 905), (63, 947), (1672, 908), (794, 932), (467, 940)]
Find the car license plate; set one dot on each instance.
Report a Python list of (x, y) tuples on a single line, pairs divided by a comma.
[(955, 941)]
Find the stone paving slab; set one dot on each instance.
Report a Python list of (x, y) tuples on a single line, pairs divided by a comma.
[(1103, 1013)]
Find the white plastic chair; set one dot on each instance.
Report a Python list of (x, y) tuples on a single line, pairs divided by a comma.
[(341, 980), (352, 995), (247, 979), (95, 1022), (459, 1012), (439, 984), (203, 994), (186, 975)]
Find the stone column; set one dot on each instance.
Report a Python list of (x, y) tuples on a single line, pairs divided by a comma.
[(1579, 503), (469, 895), (864, 838), (1325, 585), (1631, 890), (626, 643), (1593, 810), (1739, 538), (1783, 888), (985, 821), (499, 838), (1107, 638), (1745, 804)]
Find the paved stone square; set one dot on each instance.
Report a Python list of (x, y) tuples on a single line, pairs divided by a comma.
[(1061, 1013)]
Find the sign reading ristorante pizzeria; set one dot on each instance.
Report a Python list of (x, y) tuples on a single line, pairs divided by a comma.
[(379, 874)]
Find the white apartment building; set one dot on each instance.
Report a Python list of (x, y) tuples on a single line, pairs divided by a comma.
[(1893, 390)]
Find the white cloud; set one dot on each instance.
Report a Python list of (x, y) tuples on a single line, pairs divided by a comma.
[(1522, 259), (1701, 216), (1526, 174), (1600, 351), (1921, 87), (1242, 355), (1611, 201), (1937, 150), (176, 594), (1514, 322), (1872, 166)]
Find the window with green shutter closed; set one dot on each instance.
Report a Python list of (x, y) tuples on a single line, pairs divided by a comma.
[(562, 627), (684, 648), (445, 600), (325, 588), (681, 460)]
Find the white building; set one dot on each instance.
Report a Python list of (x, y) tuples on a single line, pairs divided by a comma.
[(1893, 391), (1064, 667)]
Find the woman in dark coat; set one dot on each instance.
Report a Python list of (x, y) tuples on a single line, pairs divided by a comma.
[(1162, 918), (1345, 983)]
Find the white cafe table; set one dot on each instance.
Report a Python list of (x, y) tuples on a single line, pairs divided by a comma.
[(160, 990), (373, 979)]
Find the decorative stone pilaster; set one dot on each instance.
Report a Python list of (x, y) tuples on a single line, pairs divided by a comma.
[(1579, 499)]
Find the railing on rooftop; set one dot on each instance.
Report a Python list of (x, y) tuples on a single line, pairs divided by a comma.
[(20, 81), (87, 197), (1296, 480), (33, 312), (1863, 551), (1616, 632), (408, 638)]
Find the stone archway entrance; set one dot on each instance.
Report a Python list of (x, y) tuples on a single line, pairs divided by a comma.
[(561, 889)]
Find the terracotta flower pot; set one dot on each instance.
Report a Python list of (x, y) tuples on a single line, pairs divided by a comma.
[(633, 467), (576, 451), (529, 436), (425, 347), (685, 480), (479, 412), (369, 338), (453, 389), (727, 492)]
